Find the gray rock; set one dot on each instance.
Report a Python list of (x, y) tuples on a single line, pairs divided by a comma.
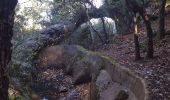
[(74, 60), (81, 75), (103, 80), (108, 78)]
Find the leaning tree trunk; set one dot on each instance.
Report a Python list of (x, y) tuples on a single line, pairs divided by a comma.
[(6, 24), (161, 33)]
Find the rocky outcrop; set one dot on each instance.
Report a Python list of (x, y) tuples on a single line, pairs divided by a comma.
[(75, 61), (109, 81), (25, 52)]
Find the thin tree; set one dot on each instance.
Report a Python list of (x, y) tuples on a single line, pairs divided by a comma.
[(136, 7), (136, 40), (7, 10), (161, 33), (104, 30), (150, 49), (90, 27)]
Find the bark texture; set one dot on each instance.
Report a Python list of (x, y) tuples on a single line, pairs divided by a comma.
[(162, 19), (149, 35), (6, 25), (136, 40)]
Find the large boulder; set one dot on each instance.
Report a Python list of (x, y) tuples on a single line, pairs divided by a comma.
[(74, 60), (109, 81)]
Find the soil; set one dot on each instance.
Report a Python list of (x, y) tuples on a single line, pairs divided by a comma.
[(53, 84)]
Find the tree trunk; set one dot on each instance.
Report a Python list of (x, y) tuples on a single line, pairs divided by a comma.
[(90, 27), (6, 24), (161, 33), (136, 7), (149, 35), (136, 40), (104, 30), (137, 47)]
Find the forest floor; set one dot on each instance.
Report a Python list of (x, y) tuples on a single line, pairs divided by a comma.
[(155, 71), (53, 84)]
